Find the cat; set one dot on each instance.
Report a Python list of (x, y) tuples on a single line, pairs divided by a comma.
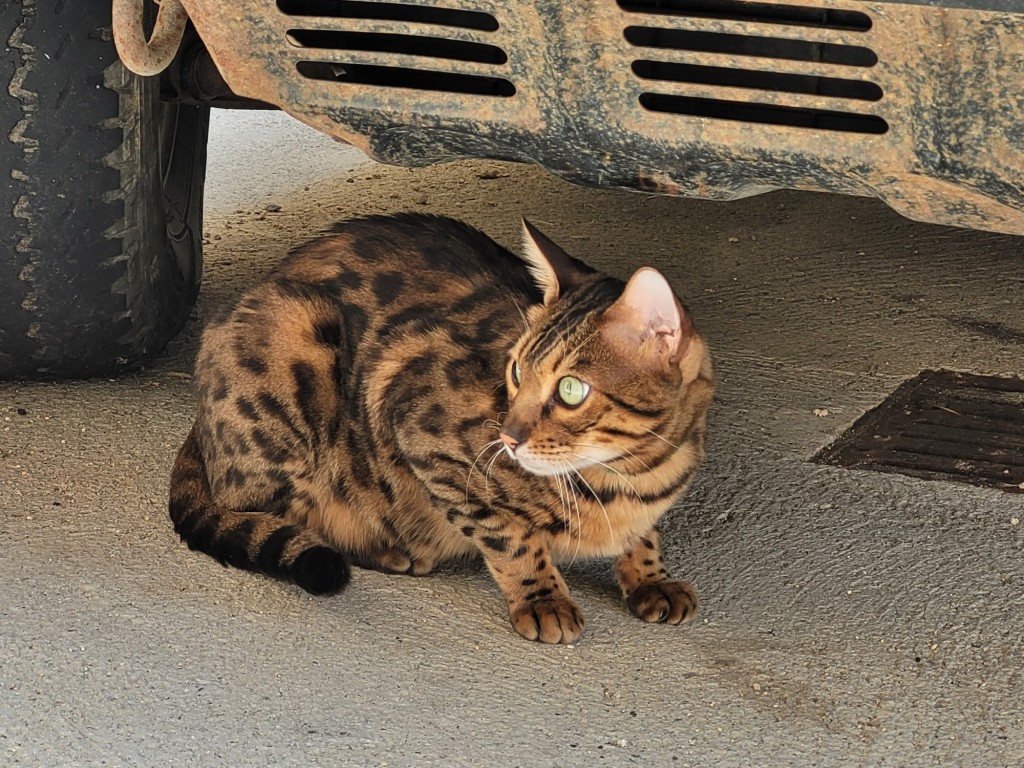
[(405, 391)]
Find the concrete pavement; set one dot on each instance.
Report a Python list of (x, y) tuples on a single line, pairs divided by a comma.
[(848, 619)]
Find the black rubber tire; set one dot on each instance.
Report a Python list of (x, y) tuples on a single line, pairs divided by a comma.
[(101, 205)]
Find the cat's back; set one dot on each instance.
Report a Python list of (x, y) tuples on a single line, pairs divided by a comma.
[(407, 255), (359, 288)]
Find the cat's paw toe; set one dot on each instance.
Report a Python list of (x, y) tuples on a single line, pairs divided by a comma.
[(666, 602), (321, 570), (548, 621), (384, 559), (394, 560), (421, 566)]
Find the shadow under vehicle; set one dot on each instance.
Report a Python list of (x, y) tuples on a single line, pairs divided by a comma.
[(919, 103)]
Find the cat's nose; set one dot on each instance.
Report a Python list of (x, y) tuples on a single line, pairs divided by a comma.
[(509, 441)]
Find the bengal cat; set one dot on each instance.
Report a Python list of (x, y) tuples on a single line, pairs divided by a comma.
[(405, 391)]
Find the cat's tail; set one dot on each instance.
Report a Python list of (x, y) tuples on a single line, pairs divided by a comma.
[(255, 541)]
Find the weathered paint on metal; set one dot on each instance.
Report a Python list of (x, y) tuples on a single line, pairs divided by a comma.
[(952, 100)]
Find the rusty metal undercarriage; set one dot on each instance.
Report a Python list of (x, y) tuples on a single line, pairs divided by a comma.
[(920, 105)]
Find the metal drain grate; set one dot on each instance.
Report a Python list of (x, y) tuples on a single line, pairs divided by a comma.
[(756, 63), (942, 425)]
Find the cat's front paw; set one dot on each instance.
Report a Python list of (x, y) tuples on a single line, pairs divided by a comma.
[(666, 602), (550, 620)]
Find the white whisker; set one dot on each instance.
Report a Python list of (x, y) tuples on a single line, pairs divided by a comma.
[(633, 457), (487, 471), (579, 514), (561, 500), (628, 456), (568, 510), (651, 431), (612, 469), (611, 534), (522, 314), (626, 453), (472, 466), (567, 478)]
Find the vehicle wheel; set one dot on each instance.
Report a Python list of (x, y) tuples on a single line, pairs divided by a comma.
[(101, 211)]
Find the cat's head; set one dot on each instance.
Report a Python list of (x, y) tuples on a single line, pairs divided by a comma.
[(601, 374)]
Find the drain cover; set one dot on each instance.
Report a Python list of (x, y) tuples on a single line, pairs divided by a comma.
[(942, 425)]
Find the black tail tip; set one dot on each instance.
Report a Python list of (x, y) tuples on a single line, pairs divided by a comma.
[(321, 571)]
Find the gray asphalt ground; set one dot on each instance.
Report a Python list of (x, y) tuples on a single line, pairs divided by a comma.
[(849, 618)]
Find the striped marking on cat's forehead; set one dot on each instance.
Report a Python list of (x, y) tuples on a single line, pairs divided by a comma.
[(567, 326)]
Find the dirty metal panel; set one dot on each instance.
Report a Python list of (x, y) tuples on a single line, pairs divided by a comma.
[(942, 425), (918, 105)]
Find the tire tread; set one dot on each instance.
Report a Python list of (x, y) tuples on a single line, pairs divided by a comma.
[(92, 287)]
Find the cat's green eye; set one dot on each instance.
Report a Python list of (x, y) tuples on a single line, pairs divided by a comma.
[(517, 374), (572, 391)]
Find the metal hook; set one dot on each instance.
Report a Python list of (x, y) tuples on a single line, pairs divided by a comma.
[(142, 56)]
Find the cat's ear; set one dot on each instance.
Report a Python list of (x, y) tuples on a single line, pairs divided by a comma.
[(554, 271), (648, 321)]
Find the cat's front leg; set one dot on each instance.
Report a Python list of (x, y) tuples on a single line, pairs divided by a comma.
[(649, 592), (538, 600)]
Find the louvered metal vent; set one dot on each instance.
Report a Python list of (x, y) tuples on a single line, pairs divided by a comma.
[(394, 45), (741, 61)]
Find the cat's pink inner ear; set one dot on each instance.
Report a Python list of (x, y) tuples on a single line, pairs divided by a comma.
[(649, 319)]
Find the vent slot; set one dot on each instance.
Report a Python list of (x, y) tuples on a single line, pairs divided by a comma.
[(404, 77), (746, 45), (747, 112), (762, 81), (360, 9), (412, 45), (794, 97), (766, 13)]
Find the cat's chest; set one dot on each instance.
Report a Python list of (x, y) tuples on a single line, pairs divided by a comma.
[(595, 523)]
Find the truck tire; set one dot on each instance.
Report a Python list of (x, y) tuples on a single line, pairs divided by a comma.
[(101, 205)]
